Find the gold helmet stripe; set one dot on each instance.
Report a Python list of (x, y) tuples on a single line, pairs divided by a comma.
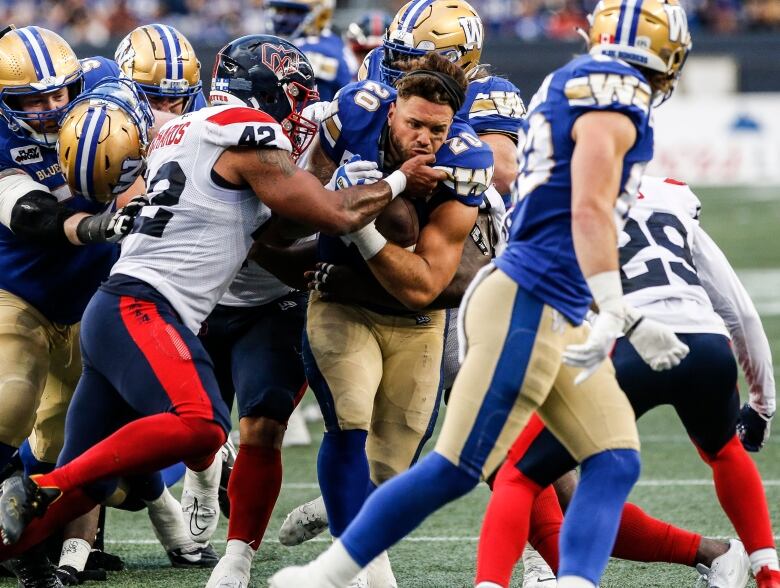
[(170, 42), (39, 54)]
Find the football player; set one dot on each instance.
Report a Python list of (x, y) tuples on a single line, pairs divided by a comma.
[(216, 174), (524, 343), (46, 277), (306, 23), (163, 64), (672, 272), (493, 106), (367, 34)]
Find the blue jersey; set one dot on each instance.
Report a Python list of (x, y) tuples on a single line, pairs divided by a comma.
[(198, 103), (492, 105), (540, 253), (333, 63), (58, 281), (357, 125)]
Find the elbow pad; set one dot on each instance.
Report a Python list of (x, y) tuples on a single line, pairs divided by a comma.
[(37, 216)]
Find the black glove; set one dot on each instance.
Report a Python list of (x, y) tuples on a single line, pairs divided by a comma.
[(752, 428), (110, 227)]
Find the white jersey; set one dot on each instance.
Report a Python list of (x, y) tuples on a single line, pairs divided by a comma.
[(674, 273), (193, 237)]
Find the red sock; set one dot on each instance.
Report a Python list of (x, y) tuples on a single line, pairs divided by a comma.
[(505, 528), (546, 521), (142, 446), (253, 489), (643, 538), (741, 494), (69, 506)]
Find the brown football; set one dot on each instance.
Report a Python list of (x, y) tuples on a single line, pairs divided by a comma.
[(399, 223)]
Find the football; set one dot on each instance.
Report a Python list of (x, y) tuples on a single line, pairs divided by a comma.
[(399, 222)]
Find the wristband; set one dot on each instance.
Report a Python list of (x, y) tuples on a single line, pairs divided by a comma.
[(397, 181), (368, 240), (607, 292)]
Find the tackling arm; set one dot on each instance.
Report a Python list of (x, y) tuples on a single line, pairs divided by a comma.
[(732, 302)]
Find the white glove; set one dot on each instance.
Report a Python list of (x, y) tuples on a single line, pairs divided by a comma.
[(655, 343), (608, 326), (317, 111), (354, 172)]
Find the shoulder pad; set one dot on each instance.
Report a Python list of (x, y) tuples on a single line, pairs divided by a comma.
[(602, 83), (241, 126), (97, 68), (494, 105), (369, 69), (468, 162), (675, 193), (358, 108)]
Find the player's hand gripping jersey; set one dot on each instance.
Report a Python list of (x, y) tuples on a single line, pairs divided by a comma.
[(540, 253), (357, 125), (492, 105), (195, 234), (58, 281), (674, 273)]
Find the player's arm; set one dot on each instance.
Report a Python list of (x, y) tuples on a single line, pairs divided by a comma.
[(732, 302), (32, 212), (505, 160), (320, 165), (288, 264), (417, 278)]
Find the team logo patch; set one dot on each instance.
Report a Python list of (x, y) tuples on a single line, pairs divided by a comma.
[(27, 154), (287, 304), (221, 84), (280, 60), (422, 319)]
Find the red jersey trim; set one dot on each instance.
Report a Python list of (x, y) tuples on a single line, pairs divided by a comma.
[(240, 114)]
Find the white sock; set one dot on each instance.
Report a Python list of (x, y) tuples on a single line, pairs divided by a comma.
[(574, 582), (165, 515), (337, 565), (75, 553), (241, 554), (488, 585), (764, 558), (207, 481)]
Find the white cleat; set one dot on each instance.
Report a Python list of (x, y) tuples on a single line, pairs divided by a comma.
[(304, 522), (200, 501), (296, 577), (228, 582), (730, 570), (379, 572), (536, 572), (234, 567), (361, 581)]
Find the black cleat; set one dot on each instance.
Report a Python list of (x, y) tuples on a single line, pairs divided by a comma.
[(21, 501), (99, 560), (34, 570), (200, 556), (69, 576), (228, 454)]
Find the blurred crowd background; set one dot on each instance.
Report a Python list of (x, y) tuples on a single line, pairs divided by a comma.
[(101, 22)]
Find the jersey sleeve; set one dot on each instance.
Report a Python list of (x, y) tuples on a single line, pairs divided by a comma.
[(239, 126), (732, 302), (468, 163), (608, 85), (495, 106)]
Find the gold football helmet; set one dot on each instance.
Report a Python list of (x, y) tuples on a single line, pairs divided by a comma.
[(652, 34), (296, 18), (34, 60), (103, 140), (450, 27), (162, 62)]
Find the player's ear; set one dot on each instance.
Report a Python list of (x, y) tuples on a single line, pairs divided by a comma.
[(391, 112)]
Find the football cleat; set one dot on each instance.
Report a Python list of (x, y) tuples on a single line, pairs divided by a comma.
[(22, 500), (34, 570), (360, 582), (730, 570), (230, 572), (305, 522), (379, 572), (536, 572), (200, 501), (100, 560), (298, 576), (197, 556), (228, 454), (69, 576), (766, 578)]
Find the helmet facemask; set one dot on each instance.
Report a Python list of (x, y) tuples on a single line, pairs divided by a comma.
[(298, 128)]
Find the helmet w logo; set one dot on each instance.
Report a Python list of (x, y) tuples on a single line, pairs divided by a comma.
[(472, 30), (678, 23), (283, 62)]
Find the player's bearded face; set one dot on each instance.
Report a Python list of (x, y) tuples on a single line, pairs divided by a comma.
[(172, 105), (43, 103), (417, 126)]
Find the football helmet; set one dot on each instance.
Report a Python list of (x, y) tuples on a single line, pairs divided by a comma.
[(368, 32), (272, 75), (652, 34), (103, 139), (34, 60), (295, 18), (162, 62), (449, 27)]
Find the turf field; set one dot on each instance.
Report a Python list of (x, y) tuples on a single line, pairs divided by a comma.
[(441, 554)]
